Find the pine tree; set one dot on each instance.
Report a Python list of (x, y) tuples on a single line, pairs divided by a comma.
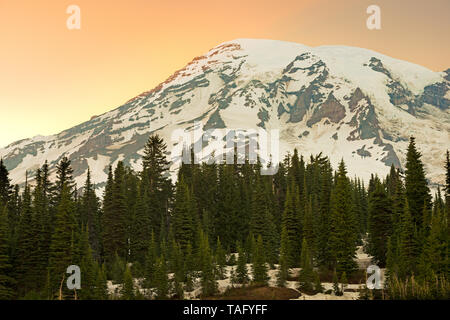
[(221, 260), (208, 278), (101, 287), (88, 270), (344, 282), (259, 267), (161, 279), (283, 272), (90, 215), (417, 191), (380, 223), (290, 229), (6, 281), (62, 245), (6, 188), (184, 215), (114, 215), (155, 180), (342, 239), (306, 275), (127, 291), (336, 289), (150, 262), (318, 288), (241, 269), (24, 257), (261, 221), (407, 244)]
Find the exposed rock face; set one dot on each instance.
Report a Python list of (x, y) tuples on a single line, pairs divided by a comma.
[(348, 103), (330, 109)]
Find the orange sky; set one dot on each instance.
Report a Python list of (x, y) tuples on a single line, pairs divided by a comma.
[(52, 78)]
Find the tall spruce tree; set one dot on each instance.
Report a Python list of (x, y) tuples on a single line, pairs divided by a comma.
[(380, 223), (62, 245), (417, 191), (259, 267), (343, 232), (6, 281)]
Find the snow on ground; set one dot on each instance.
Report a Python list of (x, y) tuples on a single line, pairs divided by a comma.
[(363, 260)]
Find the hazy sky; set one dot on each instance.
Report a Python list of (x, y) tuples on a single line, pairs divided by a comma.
[(52, 78)]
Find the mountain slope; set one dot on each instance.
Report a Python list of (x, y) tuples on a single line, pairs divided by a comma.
[(346, 102)]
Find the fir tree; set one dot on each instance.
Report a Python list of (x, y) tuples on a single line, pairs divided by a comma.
[(62, 244), (417, 191), (161, 279), (184, 215), (290, 229), (6, 281), (342, 239), (114, 215), (306, 275), (380, 223), (221, 260), (259, 267), (241, 269), (127, 291)]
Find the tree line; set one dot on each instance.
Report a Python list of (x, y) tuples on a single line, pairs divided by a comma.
[(169, 235)]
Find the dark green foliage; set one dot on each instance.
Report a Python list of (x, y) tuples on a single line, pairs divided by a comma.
[(259, 267), (48, 227), (6, 281), (417, 191), (128, 292), (241, 274), (306, 276), (161, 279), (343, 233), (380, 223), (114, 215), (62, 247)]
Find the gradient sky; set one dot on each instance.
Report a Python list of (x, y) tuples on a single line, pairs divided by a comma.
[(52, 78)]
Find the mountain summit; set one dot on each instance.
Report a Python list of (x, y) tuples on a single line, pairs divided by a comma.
[(345, 102)]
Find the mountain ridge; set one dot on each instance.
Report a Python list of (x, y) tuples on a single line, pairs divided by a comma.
[(350, 102)]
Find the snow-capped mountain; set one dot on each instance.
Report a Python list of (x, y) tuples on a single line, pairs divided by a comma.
[(346, 102)]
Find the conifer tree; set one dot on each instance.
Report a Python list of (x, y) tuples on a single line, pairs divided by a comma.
[(342, 239), (88, 270), (336, 289), (407, 244), (6, 188), (417, 191), (24, 257), (155, 180), (161, 279), (90, 215), (141, 230), (184, 215), (114, 215), (306, 275), (208, 278), (62, 246), (221, 260), (128, 291), (241, 269), (150, 261), (344, 282), (380, 223), (101, 287), (283, 272), (6, 281), (259, 267), (290, 229)]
